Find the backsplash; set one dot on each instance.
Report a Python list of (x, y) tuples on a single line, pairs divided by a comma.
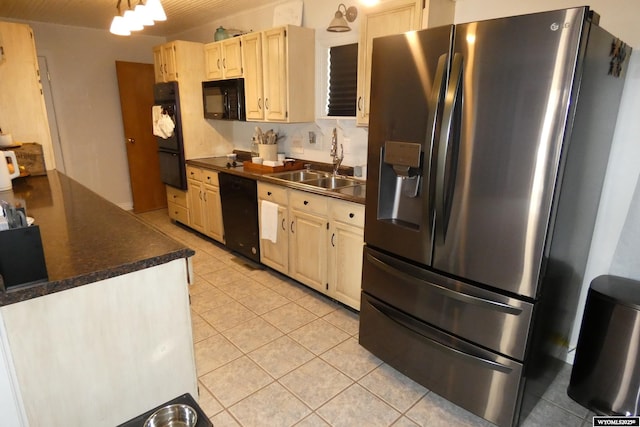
[(296, 138)]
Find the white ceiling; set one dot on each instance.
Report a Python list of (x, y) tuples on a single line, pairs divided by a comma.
[(181, 14)]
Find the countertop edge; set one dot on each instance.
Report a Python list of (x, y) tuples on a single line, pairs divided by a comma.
[(26, 292), (218, 164)]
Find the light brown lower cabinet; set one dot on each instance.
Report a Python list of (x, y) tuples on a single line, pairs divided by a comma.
[(205, 208), (319, 241), (177, 205)]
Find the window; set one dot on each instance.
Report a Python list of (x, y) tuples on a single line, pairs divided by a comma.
[(343, 80)]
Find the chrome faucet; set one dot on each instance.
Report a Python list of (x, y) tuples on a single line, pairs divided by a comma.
[(337, 161)]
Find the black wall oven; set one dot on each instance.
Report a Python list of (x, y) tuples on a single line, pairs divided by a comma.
[(171, 149)]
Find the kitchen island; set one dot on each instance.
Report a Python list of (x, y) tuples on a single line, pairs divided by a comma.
[(108, 335)]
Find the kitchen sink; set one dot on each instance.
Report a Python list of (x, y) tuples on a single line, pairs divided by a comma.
[(299, 175), (315, 179), (331, 182)]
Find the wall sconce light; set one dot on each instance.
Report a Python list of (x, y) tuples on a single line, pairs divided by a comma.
[(136, 19), (339, 22)]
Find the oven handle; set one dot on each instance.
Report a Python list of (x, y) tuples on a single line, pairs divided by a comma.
[(495, 366), (466, 298)]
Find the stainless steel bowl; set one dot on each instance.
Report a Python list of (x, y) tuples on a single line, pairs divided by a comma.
[(178, 415)]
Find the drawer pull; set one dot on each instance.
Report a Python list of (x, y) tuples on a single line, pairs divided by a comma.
[(460, 353), (351, 215), (268, 193), (459, 296), (306, 202)]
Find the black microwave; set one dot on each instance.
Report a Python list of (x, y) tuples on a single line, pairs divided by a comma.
[(224, 99)]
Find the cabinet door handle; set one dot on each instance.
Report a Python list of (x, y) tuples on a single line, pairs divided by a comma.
[(224, 63), (200, 195), (292, 226), (260, 103), (218, 63), (332, 243), (266, 103), (359, 103), (283, 228), (205, 196)]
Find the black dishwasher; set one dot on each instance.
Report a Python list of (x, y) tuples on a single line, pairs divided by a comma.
[(239, 198)]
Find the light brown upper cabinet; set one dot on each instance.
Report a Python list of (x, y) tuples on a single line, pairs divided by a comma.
[(223, 59), (279, 72), (177, 59), (388, 18)]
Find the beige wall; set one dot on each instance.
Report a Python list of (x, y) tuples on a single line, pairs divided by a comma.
[(619, 17)]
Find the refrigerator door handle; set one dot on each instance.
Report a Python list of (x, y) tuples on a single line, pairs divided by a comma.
[(459, 296), (442, 347), (435, 103), (452, 95)]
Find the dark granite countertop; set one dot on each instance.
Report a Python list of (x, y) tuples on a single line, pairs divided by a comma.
[(85, 238), (221, 164)]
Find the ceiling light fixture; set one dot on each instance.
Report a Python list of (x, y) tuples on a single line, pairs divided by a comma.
[(339, 22), (143, 15), (135, 19)]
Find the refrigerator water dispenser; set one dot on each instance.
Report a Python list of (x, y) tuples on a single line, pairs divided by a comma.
[(400, 182)]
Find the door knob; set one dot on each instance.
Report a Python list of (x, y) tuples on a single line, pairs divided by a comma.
[(131, 140)]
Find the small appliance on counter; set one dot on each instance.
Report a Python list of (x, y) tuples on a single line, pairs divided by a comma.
[(6, 175), (21, 254)]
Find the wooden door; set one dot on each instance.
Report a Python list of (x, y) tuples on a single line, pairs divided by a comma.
[(252, 62), (308, 249), (274, 52), (385, 19), (214, 227), (135, 83), (345, 260), (158, 64), (232, 58), (213, 60)]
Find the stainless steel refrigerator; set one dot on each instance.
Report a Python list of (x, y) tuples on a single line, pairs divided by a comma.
[(488, 144)]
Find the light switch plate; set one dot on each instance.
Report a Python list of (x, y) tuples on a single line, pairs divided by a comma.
[(296, 144), (346, 144)]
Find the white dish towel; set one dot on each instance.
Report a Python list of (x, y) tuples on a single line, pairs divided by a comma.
[(162, 124), (156, 112), (269, 221)]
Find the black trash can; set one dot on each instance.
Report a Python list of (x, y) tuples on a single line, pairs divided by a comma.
[(606, 372)]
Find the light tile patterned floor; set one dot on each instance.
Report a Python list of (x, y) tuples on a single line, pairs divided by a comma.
[(271, 352)]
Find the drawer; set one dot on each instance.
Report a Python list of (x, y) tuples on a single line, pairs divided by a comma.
[(347, 212), (194, 173), (178, 213), (273, 193), (469, 312), (177, 197), (455, 369), (307, 202), (210, 177)]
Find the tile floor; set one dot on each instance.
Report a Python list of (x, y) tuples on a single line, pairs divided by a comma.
[(271, 352)]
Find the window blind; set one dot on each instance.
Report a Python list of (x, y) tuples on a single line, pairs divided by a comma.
[(343, 80)]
